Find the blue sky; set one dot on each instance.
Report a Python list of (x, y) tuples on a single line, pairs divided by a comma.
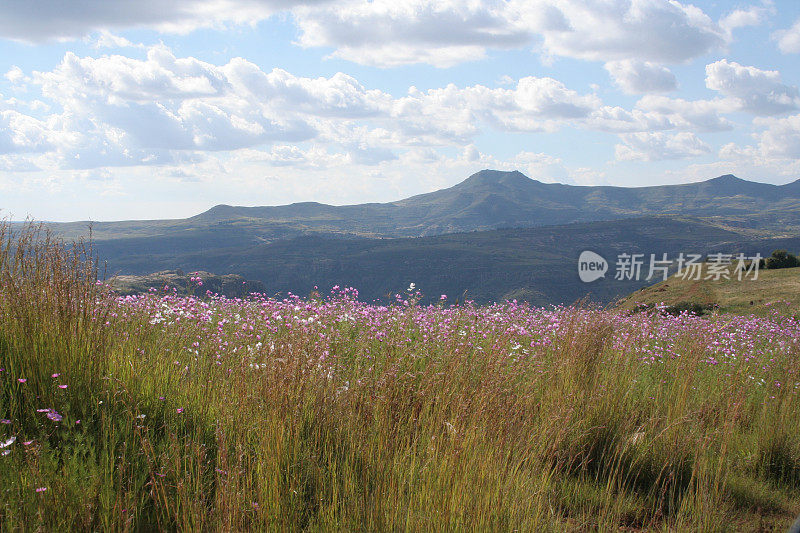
[(128, 110)]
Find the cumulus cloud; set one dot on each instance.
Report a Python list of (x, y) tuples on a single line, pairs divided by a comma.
[(21, 133), (106, 39), (789, 39), (115, 110), (659, 31), (776, 151), (395, 32), (120, 110), (42, 20), (290, 155), (757, 91), (638, 77), (17, 162), (661, 113), (658, 146), (15, 75), (780, 137), (695, 115), (750, 16), (390, 33), (535, 104)]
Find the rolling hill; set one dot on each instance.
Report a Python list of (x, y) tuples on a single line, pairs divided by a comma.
[(774, 290)]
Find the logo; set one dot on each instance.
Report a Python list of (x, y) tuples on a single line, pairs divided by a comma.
[(591, 266)]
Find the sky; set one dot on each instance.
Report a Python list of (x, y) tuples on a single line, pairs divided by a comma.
[(122, 109)]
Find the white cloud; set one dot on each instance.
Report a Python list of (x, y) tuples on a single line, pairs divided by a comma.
[(21, 133), (781, 137), (119, 110), (760, 92), (658, 146), (660, 31), (660, 113), (789, 39), (638, 77), (165, 110), (620, 120), (751, 16), (776, 153), (17, 163), (338, 96), (287, 155), (116, 110), (106, 39), (15, 75), (391, 32), (42, 20), (695, 115), (395, 32), (535, 104)]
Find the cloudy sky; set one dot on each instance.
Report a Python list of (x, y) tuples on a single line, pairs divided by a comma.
[(150, 109)]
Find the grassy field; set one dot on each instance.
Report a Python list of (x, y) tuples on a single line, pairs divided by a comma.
[(161, 412), (774, 290)]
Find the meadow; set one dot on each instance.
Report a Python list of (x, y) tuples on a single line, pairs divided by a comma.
[(326, 413)]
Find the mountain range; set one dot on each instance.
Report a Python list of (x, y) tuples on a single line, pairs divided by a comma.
[(486, 200), (494, 235)]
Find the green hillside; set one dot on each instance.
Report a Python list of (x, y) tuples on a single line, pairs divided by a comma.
[(773, 290)]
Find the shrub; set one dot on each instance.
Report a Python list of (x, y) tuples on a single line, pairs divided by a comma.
[(781, 259)]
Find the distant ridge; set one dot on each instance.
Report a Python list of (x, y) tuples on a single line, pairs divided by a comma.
[(486, 200), (494, 235), (492, 199)]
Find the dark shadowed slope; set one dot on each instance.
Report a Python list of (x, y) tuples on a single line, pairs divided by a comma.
[(534, 264)]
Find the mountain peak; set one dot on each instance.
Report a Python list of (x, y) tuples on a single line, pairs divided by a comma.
[(497, 177), (726, 178)]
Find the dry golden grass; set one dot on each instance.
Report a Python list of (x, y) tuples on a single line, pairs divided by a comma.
[(773, 289)]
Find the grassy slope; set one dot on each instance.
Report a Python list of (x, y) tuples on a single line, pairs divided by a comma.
[(773, 288)]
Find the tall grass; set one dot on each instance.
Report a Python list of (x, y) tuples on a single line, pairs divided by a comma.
[(215, 414)]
